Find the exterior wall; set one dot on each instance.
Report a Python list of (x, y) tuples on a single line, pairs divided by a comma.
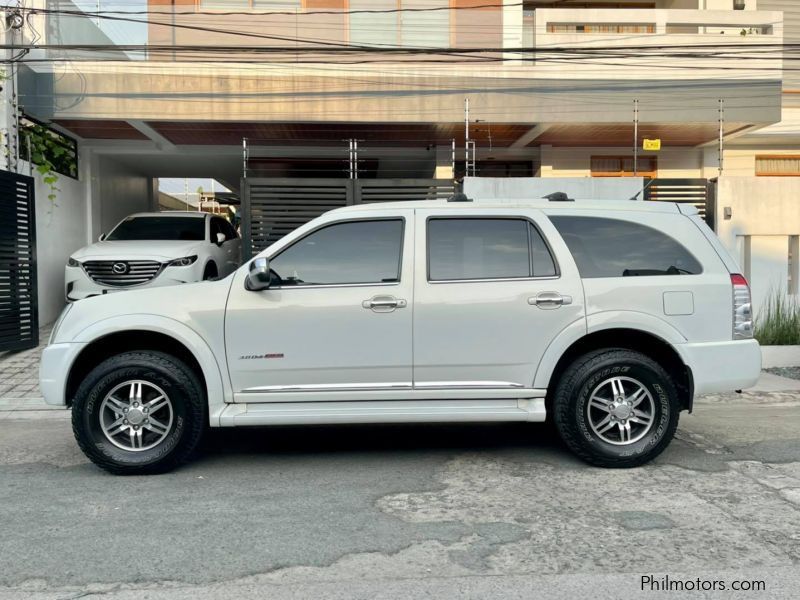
[(791, 18), (61, 229), (526, 188), (576, 162), (764, 217), (116, 192)]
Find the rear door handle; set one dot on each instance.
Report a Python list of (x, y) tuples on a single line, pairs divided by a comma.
[(549, 300), (384, 303)]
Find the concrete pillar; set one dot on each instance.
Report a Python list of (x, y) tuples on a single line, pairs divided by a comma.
[(444, 162), (546, 168)]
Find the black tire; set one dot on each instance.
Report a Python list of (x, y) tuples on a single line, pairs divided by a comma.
[(573, 394), (210, 273), (187, 421)]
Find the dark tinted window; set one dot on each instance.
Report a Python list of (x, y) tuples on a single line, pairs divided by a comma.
[(160, 228), (486, 249), (543, 264), (229, 230), (613, 248), (355, 252)]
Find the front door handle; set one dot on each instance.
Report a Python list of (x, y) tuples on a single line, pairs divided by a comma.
[(549, 300), (384, 303)]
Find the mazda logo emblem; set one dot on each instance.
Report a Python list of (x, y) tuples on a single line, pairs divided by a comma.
[(120, 268)]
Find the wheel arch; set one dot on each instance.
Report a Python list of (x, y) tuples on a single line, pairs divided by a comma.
[(629, 338), (109, 337)]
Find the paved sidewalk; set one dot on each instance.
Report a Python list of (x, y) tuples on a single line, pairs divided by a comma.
[(19, 378)]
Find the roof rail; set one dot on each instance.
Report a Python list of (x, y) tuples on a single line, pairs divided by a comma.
[(459, 197), (558, 197)]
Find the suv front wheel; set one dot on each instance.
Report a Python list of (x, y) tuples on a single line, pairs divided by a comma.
[(139, 412), (616, 408)]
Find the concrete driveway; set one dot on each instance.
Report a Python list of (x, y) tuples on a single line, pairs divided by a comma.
[(478, 511)]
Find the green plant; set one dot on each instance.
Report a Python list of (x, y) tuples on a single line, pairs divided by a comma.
[(778, 321), (44, 152)]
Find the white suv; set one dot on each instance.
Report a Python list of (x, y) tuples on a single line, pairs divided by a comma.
[(608, 316), (154, 249)]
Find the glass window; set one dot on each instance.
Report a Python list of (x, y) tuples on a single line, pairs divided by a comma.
[(613, 248), (425, 23), (354, 252), (160, 228), (543, 263), (377, 28), (216, 227), (486, 249), (228, 230)]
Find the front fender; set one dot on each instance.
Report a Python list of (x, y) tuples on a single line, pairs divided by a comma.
[(616, 319), (218, 388)]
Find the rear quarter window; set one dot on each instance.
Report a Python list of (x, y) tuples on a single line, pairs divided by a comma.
[(605, 247)]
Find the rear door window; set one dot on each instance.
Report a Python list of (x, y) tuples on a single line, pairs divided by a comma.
[(492, 248), (604, 247)]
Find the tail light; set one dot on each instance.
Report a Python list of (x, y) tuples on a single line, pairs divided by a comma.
[(742, 308)]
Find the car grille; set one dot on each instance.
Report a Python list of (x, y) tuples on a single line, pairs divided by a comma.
[(136, 272)]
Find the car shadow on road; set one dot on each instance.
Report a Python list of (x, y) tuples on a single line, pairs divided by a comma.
[(384, 438)]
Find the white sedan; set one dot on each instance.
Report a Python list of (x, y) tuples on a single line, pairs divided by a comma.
[(154, 249)]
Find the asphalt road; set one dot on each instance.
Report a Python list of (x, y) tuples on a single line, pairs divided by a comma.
[(478, 511)]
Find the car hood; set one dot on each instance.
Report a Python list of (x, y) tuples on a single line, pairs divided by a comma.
[(138, 249)]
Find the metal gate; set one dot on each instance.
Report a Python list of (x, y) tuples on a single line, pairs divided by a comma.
[(19, 326), (698, 192), (273, 207)]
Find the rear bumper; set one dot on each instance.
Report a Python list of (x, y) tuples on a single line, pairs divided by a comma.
[(722, 366)]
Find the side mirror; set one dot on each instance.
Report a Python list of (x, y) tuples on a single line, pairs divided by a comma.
[(220, 239), (102, 237), (258, 277)]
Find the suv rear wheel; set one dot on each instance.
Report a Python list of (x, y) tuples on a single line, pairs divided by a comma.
[(616, 408), (139, 412)]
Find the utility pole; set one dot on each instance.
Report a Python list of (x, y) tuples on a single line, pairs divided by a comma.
[(245, 156), (469, 145), (636, 138), (721, 135), (186, 192)]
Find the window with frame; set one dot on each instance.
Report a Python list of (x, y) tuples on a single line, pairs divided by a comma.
[(486, 248), (259, 4), (622, 166), (768, 165), (352, 252), (604, 247)]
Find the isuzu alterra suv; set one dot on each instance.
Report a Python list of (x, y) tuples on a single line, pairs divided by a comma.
[(153, 250), (608, 316)]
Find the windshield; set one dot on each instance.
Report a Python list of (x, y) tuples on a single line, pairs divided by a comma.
[(160, 228)]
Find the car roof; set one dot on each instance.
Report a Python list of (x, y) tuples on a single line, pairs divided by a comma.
[(540, 204), (170, 213)]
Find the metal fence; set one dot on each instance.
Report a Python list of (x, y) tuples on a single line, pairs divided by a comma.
[(698, 192), (19, 326), (273, 207)]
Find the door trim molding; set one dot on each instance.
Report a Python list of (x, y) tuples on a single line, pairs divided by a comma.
[(383, 386)]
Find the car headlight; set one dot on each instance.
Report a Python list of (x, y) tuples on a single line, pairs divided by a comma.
[(60, 320), (182, 262), (73, 263)]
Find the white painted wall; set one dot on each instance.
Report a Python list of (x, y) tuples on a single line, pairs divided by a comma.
[(117, 191), (765, 215), (526, 188), (61, 229)]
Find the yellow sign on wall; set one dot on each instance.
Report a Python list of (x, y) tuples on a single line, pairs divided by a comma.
[(651, 144)]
